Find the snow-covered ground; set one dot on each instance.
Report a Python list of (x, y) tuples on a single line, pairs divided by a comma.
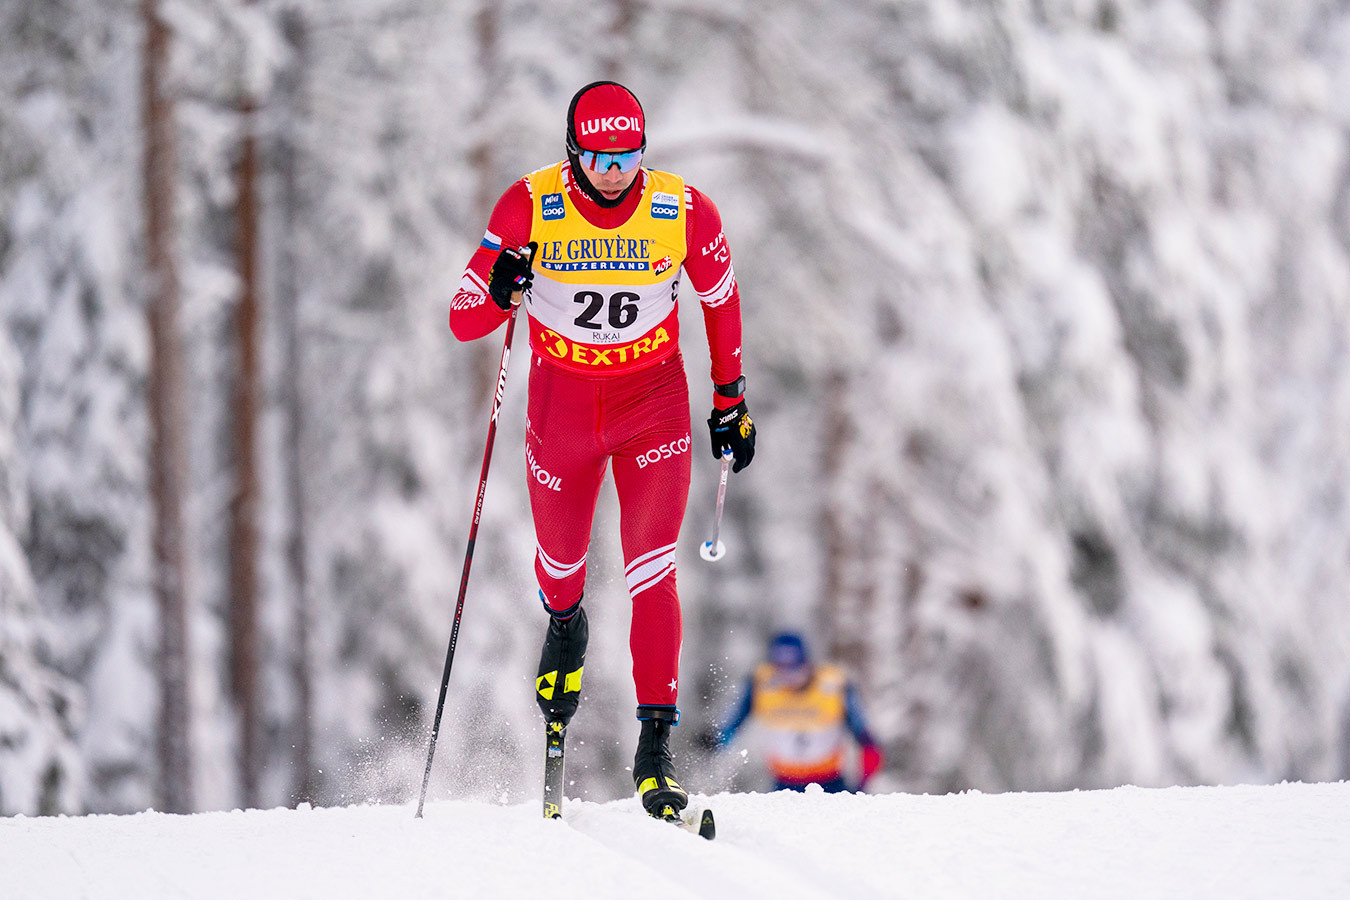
[(1281, 841)]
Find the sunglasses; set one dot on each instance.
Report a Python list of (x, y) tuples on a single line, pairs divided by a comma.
[(598, 161)]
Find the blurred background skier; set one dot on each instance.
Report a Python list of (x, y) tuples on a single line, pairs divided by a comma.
[(804, 714), (596, 244)]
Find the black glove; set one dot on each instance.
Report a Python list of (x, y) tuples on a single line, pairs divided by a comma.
[(733, 428), (510, 273)]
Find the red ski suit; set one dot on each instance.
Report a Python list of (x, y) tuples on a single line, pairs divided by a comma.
[(607, 382)]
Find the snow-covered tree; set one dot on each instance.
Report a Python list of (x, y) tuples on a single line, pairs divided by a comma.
[(41, 771), (69, 214)]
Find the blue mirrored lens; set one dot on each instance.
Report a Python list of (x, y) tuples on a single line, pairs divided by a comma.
[(600, 162)]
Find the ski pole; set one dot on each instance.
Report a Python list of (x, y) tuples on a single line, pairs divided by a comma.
[(714, 549), (468, 553)]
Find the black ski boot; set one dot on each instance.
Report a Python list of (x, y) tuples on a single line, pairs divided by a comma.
[(654, 767), (558, 687)]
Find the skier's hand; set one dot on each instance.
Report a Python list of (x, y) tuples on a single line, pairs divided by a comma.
[(733, 427), (511, 273)]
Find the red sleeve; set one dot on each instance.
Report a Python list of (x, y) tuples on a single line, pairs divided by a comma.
[(472, 312), (708, 266)]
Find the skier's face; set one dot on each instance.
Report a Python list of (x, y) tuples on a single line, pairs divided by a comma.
[(612, 182)]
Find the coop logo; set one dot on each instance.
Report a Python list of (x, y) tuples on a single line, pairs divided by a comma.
[(664, 451), (552, 206), (665, 206), (540, 474)]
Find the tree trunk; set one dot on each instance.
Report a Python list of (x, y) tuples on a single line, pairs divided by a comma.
[(168, 446), (288, 320), (848, 592), (489, 183), (243, 599), (246, 502), (833, 527), (618, 46)]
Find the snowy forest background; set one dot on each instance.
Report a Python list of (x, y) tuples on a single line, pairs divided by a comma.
[(1047, 332)]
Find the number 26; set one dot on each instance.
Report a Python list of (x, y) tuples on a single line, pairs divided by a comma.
[(623, 309)]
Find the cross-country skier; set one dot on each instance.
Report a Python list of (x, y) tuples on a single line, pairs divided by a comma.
[(805, 713), (599, 245)]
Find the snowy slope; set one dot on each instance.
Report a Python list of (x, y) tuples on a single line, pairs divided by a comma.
[(1283, 841)]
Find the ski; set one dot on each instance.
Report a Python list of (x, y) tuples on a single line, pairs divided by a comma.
[(699, 822), (554, 734)]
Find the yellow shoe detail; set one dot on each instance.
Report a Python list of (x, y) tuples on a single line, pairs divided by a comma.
[(649, 784), (546, 692), (572, 683)]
